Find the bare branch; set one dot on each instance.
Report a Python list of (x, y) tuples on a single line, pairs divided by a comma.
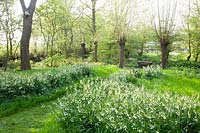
[(23, 5)]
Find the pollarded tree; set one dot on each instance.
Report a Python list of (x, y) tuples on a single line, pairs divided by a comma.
[(26, 33), (164, 25), (122, 15), (93, 27)]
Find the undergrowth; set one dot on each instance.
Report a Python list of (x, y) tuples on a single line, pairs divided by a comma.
[(115, 106)]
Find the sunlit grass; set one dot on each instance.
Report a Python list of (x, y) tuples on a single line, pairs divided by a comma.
[(174, 83), (35, 118)]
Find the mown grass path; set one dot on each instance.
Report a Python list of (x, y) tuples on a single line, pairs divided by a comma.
[(28, 121), (38, 119)]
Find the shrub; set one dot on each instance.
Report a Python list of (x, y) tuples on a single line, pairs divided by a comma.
[(184, 64), (137, 73), (151, 72), (112, 106), (188, 72), (14, 85), (124, 76), (148, 72), (55, 61)]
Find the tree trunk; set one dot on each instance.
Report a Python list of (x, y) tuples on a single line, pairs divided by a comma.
[(26, 33), (122, 42), (141, 50), (83, 50), (94, 29), (51, 50), (196, 57), (7, 53), (190, 52), (109, 49), (164, 54), (95, 51), (189, 56)]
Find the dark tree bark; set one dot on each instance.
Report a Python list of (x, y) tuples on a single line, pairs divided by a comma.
[(164, 48), (165, 29), (83, 50), (196, 57), (94, 29), (122, 42), (95, 51), (141, 50), (189, 46), (26, 33), (109, 49)]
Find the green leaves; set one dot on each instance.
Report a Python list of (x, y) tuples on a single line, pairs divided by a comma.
[(13, 85), (116, 106)]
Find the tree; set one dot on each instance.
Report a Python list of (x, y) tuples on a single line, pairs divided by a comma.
[(26, 33), (94, 29), (188, 30), (122, 15), (56, 21), (92, 25), (164, 26), (195, 30), (142, 34), (9, 25)]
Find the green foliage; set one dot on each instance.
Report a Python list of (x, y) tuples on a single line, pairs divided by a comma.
[(2, 51), (148, 73), (103, 70), (113, 106), (151, 72), (184, 64), (125, 76), (55, 61), (188, 72), (155, 58), (15, 85)]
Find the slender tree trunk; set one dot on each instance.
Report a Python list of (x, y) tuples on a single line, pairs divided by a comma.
[(47, 45), (196, 57), (7, 53), (7, 36), (11, 48), (141, 50), (26, 33), (94, 29), (122, 43), (109, 49), (190, 49), (51, 51), (95, 51)]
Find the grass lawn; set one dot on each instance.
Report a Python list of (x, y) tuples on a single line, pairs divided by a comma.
[(174, 82), (39, 118), (30, 120)]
